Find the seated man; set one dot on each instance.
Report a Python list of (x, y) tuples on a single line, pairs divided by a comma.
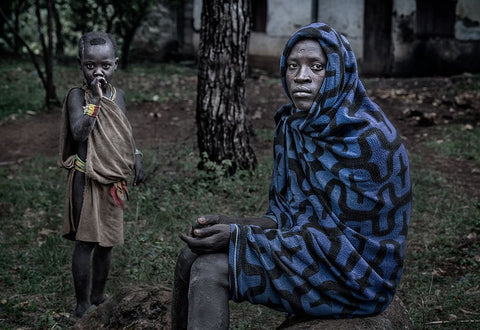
[(333, 239)]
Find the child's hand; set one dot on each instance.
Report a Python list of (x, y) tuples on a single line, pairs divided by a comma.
[(97, 84), (138, 167)]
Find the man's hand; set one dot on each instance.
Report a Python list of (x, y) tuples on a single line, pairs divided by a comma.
[(208, 220), (209, 239), (211, 219)]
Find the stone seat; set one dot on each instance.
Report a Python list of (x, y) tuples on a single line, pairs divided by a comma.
[(395, 317)]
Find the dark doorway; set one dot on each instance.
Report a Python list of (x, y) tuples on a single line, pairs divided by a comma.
[(436, 19), (377, 33), (259, 15)]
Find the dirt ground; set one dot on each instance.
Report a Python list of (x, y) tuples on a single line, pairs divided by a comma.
[(416, 106)]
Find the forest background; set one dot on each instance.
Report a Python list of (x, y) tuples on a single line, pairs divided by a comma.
[(438, 117)]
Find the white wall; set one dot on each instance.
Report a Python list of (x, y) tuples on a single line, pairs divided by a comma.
[(404, 17), (469, 9), (284, 17), (345, 16)]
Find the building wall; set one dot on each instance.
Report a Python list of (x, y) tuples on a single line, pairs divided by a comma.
[(420, 56), (467, 26), (403, 30), (284, 17), (345, 16), (410, 55)]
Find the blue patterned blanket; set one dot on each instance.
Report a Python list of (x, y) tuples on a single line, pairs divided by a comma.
[(341, 196)]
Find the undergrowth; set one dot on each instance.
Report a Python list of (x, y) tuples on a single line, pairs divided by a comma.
[(440, 281), (22, 94), (440, 285)]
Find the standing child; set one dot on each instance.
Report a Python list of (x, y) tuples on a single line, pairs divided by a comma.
[(98, 149)]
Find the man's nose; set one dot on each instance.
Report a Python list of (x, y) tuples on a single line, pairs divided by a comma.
[(303, 74)]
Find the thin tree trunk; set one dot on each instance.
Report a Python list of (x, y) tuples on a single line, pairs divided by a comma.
[(47, 78), (51, 89), (221, 116), (29, 50), (127, 41), (60, 45)]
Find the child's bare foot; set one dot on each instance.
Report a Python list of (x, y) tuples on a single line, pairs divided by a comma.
[(81, 309), (100, 300)]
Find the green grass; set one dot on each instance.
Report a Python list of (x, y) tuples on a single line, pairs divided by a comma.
[(22, 93), (21, 90), (158, 83), (458, 140), (441, 280), (35, 261)]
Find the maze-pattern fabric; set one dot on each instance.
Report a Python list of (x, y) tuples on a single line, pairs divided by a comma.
[(341, 196)]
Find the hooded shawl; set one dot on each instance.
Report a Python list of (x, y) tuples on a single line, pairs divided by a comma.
[(110, 159), (340, 195)]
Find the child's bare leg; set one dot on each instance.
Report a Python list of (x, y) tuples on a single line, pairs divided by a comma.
[(81, 275), (83, 251), (100, 267)]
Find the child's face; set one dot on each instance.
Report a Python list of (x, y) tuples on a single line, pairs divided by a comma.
[(98, 61)]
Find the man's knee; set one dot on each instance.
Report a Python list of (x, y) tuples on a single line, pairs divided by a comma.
[(186, 257), (184, 263), (210, 268)]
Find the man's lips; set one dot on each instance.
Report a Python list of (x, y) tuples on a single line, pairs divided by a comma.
[(301, 92)]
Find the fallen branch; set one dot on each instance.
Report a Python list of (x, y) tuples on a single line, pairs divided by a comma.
[(447, 322)]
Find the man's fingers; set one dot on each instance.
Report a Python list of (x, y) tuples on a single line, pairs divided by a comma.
[(187, 239), (206, 231), (210, 219)]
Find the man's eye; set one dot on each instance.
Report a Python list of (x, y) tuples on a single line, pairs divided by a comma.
[(318, 67), (292, 66)]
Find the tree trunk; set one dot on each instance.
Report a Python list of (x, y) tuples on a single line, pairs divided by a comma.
[(52, 98), (60, 45), (221, 113), (127, 41), (47, 51)]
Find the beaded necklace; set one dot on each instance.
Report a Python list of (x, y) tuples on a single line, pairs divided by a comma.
[(113, 92)]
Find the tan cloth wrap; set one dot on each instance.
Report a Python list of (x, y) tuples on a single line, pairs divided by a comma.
[(110, 158)]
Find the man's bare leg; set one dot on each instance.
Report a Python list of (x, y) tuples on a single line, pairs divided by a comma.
[(209, 296), (180, 289)]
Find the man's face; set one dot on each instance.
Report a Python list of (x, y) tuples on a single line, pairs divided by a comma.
[(98, 61), (305, 72)]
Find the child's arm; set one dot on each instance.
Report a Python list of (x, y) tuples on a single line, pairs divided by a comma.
[(81, 124), (82, 116)]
